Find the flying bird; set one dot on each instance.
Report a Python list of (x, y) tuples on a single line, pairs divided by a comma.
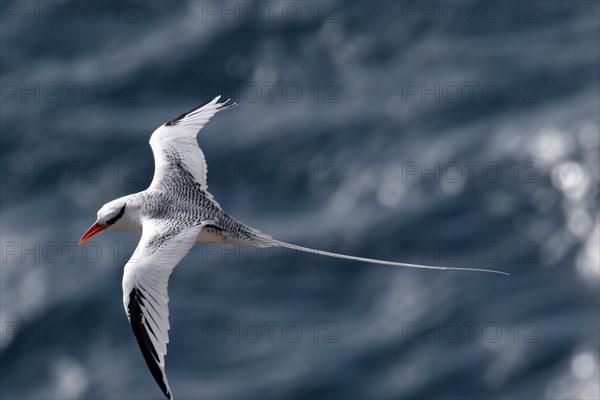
[(174, 213)]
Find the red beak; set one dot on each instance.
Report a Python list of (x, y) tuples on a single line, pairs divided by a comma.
[(92, 231)]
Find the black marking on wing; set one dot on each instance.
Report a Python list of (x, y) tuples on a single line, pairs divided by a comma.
[(175, 121), (182, 116), (174, 159), (141, 330), (116, 217), (157, 241)]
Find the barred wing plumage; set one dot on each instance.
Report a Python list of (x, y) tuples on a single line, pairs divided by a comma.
[(177, 139)]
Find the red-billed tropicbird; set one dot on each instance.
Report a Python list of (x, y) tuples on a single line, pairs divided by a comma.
[(175, 212)]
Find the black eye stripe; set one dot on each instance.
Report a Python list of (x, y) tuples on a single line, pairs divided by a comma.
[(116, 217)]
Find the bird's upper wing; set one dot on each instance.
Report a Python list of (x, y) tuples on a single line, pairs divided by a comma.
[(176, 149), (145, 296)]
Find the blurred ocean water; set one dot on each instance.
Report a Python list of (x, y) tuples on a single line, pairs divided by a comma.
[(446, 133)]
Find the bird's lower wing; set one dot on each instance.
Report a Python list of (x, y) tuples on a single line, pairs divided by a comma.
[(145, 296)]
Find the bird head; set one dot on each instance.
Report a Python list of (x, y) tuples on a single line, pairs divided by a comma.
[(110, 214)]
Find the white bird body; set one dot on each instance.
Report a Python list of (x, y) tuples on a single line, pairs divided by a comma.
[(174, 213)]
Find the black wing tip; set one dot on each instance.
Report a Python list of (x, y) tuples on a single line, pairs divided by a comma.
[(136, 319), (224, 105), (182, 116)]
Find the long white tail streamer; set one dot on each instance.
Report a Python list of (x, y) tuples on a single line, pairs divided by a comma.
[(375, 261)]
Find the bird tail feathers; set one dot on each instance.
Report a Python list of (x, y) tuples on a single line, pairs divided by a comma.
[(266, 241)]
